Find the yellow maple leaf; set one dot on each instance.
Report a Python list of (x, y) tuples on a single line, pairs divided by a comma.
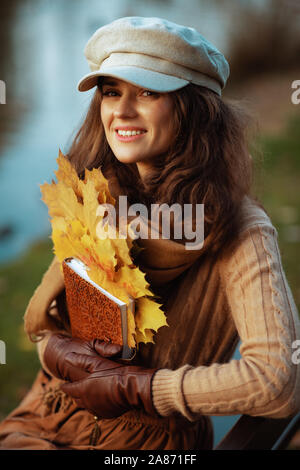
[(146, 337), (134, 280), (78, 230), (101, 185), (90, 206), (49, 196), (149, 316), (131, 329), (59, 223), (67, 173), (63, 248)]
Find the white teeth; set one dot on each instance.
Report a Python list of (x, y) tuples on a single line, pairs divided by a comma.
[(129, 133)]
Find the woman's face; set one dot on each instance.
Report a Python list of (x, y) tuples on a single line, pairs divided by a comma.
[(138, 123)]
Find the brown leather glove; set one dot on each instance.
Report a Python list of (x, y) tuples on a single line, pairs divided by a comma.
[(110, 388), (60, 345)]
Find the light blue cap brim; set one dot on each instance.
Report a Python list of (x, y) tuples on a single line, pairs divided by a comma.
[(154, 81)]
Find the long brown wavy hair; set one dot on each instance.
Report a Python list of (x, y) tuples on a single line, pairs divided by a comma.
[(208, 161)]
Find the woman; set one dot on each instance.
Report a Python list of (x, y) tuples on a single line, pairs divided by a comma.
[(161, 133)]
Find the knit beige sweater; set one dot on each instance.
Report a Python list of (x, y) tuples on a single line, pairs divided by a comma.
[(216, 302), (247, 291)]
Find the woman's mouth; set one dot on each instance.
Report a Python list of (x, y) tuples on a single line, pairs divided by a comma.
[(129, 135)]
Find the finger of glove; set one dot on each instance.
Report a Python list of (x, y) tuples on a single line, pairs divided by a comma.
[(72, 389), (77, 391), (91, 363), (62, 344), (107, 349), (80, 393), (72, 373), (78, 401), (58, 347), (53, 353)]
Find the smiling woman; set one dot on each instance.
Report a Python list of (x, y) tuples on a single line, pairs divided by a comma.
[(161, 133), (137, 117)]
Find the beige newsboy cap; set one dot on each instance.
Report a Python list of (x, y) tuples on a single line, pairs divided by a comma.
[(154, 53)]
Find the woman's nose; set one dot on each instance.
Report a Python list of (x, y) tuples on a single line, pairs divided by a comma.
[(125, 108)]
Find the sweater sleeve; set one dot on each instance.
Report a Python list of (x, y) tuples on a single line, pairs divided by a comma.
[(265, 381)]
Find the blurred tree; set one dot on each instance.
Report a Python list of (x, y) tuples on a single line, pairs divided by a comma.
[(11, 111), (264, 38)]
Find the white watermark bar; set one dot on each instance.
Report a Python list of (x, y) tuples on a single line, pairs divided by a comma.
[(2, 92), (295, 97), (2, 352), (166, 222)]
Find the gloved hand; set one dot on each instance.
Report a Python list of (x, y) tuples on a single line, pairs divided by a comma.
[(60, 345), (110, 388)]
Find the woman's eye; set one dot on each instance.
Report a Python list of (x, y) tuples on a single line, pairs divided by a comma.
[(148, 93), (109, 93)]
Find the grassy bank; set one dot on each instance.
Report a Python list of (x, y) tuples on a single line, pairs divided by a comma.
[(17, 283), (278, 188)]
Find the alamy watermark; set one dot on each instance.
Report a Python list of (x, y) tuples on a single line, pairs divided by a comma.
[(296, 353), (2, 92), (2, 352), (166, 222), (295, 97)]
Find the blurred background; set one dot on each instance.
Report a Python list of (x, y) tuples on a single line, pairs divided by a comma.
[(42, 60)]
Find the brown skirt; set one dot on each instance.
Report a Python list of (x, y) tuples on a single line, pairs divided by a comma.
[(50, 420)]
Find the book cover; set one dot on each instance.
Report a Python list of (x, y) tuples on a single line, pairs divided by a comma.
[(94, 312)]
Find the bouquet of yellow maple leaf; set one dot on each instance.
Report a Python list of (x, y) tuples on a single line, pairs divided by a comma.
[(72, 205)]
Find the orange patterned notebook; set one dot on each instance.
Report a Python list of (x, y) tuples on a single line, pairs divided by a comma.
[(94, 312)]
